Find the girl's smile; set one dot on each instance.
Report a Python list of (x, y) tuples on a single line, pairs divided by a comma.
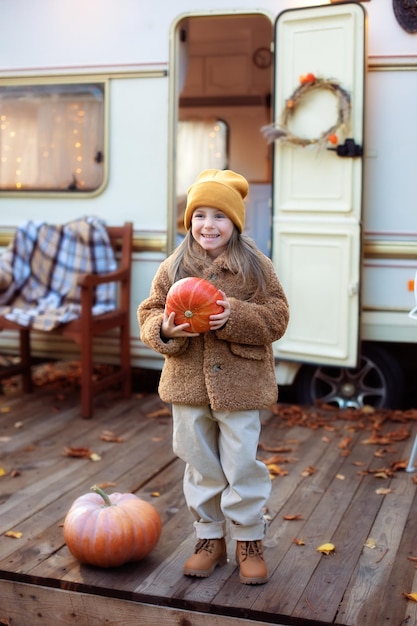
[(211, 229)]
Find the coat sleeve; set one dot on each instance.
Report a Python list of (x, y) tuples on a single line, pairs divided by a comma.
[(258, 322), (151, 314)]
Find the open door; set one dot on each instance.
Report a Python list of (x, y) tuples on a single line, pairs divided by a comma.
[(220, 97), (317, 177)]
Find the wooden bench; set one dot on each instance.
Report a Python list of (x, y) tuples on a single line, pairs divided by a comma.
[(87, 326)]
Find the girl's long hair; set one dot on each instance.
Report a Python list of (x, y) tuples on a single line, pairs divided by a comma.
[(242, 258)]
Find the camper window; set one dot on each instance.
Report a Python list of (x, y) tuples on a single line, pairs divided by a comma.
[(51, 137), (201, 144)]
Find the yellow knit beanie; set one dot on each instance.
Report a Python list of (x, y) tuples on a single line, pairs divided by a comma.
[(218, 189)]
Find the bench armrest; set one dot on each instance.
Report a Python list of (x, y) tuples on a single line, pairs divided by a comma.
[(92, 280)]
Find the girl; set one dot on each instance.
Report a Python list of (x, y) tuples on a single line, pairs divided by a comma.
[(219, 380)]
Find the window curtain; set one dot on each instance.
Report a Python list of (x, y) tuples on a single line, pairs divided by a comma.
[(51, 141), (202, 144)]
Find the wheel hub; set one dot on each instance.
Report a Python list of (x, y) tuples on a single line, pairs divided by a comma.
[(348, 390)]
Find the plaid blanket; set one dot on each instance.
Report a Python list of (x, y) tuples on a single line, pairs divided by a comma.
[(39, 270)]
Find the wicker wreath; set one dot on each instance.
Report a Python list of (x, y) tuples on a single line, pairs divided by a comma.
[(333, 135)]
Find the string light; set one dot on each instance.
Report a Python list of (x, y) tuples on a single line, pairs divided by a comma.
[(26, 128)]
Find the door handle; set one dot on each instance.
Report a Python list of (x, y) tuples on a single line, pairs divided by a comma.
[(348, 149)]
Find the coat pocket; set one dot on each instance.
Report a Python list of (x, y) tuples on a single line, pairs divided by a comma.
[(254, 353)]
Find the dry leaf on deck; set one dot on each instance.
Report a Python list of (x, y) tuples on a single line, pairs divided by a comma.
[(308, 471), (277, 459), (345, 443), (398, 435), (109, 435), (412, 558), (399, 465), (382, 492), (163, 412), (5, 409), (368, 409), (79, 453), (326, 548), (105, 485), (3, 472), (298, 542), (380, 453), (381, 474), (281, 449), (276, 470), (411, 596), (292, 518), (13, 534), (370, 543)]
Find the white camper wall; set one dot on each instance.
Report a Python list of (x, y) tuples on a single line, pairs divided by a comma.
[(127, 43)]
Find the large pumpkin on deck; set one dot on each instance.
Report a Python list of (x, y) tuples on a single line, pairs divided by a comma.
[(110, 530), (193, 300)]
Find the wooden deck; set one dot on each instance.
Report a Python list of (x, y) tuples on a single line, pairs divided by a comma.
[(326, 478)]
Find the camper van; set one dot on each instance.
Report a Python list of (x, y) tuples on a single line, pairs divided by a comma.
[(111, 109)]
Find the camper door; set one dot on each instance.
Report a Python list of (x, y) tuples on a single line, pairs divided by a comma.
[(317, 194)]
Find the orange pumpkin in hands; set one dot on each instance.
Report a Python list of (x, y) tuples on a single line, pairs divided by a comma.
[(193, 300), (110, 530)]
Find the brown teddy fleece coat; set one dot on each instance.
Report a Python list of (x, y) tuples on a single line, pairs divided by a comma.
[(231, 368)]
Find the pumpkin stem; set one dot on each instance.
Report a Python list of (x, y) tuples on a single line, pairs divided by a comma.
[(103, 494)]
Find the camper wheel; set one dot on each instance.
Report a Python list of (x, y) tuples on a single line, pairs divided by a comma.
[(377, 381)]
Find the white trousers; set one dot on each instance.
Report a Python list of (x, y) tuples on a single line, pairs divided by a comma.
[(223, 480)]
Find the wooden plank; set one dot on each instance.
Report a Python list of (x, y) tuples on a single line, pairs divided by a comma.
[(168, 483), (69, 478), (223, 589), (40, 606), (326, 588), (168, 578), (291, 565), (305, 588), (44, 504), (64, 567), (375, 569), (37, 410)]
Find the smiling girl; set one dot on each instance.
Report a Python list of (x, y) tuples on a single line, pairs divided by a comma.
[(218, 381)]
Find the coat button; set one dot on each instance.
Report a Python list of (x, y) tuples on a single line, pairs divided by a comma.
[(217, 367)]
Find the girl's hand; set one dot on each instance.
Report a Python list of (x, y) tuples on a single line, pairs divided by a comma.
[(219, 319), (170, 331)]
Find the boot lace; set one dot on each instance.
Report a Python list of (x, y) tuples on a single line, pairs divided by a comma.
[(250, 549), (204, 544)]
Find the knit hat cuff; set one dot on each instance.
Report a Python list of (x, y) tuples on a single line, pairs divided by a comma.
[(214, 194)]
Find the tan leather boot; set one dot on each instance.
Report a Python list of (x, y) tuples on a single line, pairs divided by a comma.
[(252, 566), (207, 555)]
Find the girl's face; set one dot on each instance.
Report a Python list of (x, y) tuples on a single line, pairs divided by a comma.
[(212, 229)]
